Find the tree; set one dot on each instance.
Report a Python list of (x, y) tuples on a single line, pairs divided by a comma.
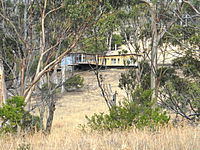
[(152, 24), (178, 92), (100, 38), (44, 20), (37, 36)]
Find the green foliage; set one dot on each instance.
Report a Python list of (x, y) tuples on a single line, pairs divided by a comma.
[(183, 98), (194, 39), (95, 39), (189, 9), (138, 113), (181, 92), (189, 65), (142, 97), (183, 33), (128, 81), (121, 3), (33, 67), (94, 44), (80, 10), (116, 40), (75, 81), (14, 116), (165, 74)]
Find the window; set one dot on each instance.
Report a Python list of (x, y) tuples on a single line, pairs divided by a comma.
[(105, 61), (113, 61), (84, 58)]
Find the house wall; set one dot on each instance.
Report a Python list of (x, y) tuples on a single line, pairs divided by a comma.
[(119, 60)]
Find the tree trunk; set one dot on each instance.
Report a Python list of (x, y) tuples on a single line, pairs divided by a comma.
[(3, 94), (52, 109), (115, 47), (2, 85), (51, 106), (110, 42), (22, 80), (154, 51)]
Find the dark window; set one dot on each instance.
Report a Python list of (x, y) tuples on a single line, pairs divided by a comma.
[(113, 61)]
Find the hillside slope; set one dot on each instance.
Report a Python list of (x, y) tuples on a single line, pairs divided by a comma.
[(73, 106), (70, 112)]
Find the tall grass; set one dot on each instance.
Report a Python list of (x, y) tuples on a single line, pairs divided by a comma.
[(181, 138)]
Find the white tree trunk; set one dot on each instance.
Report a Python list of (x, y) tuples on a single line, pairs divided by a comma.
[(110, 42), (55, 76), (154, 51), (115, 47), (2, 85)]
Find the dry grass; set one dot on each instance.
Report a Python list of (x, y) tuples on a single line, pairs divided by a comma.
[(183, 138), (70, 112), (186, 138)]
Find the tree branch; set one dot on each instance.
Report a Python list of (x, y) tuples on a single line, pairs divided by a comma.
[(192, 6), (53, 10)]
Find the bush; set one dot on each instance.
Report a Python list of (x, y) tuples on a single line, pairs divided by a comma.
[(127, 115), (189, 65), (13, 116), (75, 82), (181, 91), (130, 113), (183, 98)]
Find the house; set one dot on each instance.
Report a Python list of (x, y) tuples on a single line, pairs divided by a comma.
[(86, 61)]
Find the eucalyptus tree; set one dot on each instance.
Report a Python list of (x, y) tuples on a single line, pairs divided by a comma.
[(149, 21), (164, 15), (185, 33), (102, 36), (38, 35), (99, 38), (36, 40)]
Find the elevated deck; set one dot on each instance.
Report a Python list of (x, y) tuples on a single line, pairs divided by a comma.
[(83, 60)]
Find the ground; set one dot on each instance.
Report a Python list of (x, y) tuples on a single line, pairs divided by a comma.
[(70, 113), (73, 107)]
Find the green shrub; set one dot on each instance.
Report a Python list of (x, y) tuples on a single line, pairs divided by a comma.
[(75, 81), (128, 81), (183, 98), (130, 113), (13, 116), (189, 65), (127, 115)]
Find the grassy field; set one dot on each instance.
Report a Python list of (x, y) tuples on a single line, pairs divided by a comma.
[(71, 111)]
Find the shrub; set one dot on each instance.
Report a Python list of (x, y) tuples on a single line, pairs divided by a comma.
[(189, 65), (183, 98), (127, 115), (130, 113), (128, 81), (13, 116), (75, 81)]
